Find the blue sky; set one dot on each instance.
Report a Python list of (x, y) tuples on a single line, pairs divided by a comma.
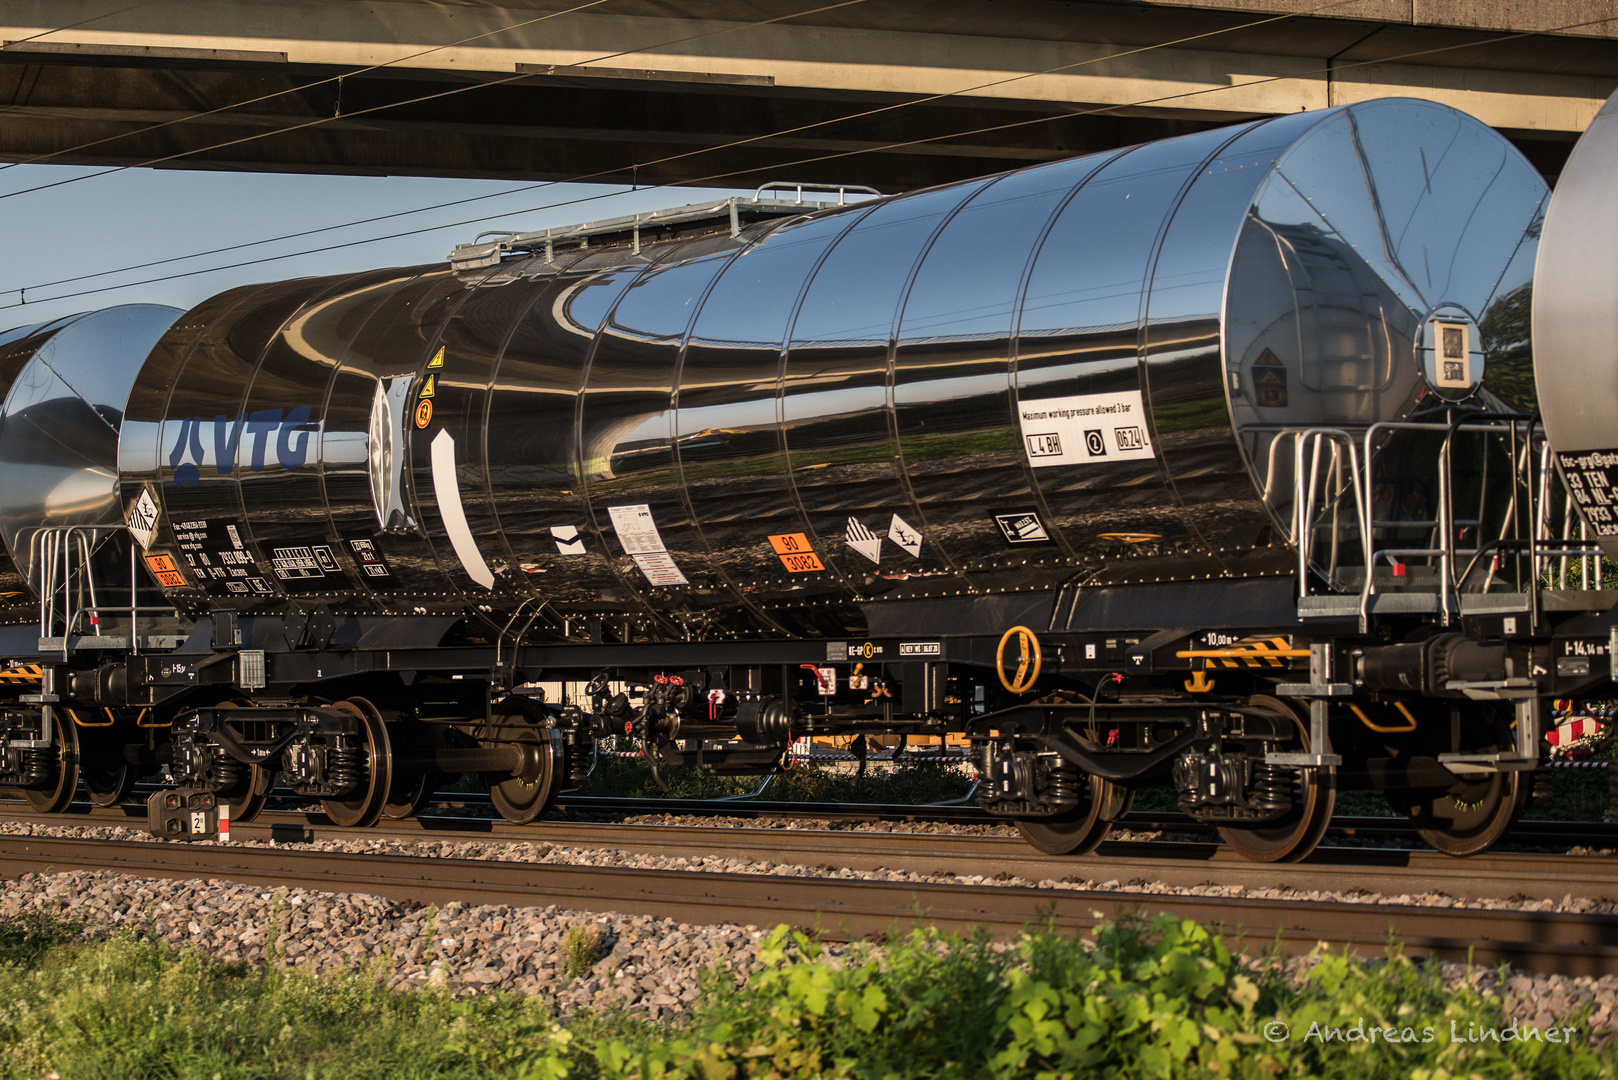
[(99, 223)]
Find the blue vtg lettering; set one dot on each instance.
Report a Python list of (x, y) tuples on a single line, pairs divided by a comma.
[(203, 443)]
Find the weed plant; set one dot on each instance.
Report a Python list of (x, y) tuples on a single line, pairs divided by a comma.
[(582, 948)]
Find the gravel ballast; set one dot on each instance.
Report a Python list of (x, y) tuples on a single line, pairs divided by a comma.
[(644, 963), (651, 966), (519, 851)]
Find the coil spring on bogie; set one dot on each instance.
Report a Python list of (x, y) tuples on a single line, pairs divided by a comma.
[(38, 764), (1274, 786), (1063, 787), (345, 768), (226, 773)]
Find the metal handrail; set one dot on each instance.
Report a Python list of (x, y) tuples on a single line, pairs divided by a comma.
[(1304, 494), (1526, 532), (798, 186), (52, 550)]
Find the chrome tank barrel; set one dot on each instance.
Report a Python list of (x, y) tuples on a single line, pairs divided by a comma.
[(64, 386), (1071, 373), (1575, 326)]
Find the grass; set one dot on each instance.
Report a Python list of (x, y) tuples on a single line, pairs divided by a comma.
[(1161, 998)]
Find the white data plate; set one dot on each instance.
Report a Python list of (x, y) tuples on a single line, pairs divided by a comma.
[(1085, 429)]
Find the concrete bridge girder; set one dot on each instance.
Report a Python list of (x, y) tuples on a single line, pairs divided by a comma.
[(700, 76)]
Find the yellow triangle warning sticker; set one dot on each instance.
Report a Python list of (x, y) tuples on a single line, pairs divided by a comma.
[(427, 388), (438, 358), (1265, 359)]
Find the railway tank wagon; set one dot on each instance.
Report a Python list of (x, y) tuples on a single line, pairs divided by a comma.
[(1209, 461)]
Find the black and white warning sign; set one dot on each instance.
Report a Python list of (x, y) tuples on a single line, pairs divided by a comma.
[(142, 519), (900, 532), (1085, 429), (1592, 480), (1022, 528), (863, 540)]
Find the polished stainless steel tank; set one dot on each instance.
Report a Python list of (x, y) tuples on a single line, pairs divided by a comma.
[(1575, 326), (1071, 373), (63, 389)]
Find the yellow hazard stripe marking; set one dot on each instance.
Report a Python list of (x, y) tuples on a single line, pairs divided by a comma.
[(1250, 652)]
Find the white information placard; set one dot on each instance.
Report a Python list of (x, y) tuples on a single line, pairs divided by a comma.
[(1084, 429), (637, 532)]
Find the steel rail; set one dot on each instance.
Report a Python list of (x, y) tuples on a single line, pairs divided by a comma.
[(1388, 871), (1393, 828), (1597, 833), (844, 909)]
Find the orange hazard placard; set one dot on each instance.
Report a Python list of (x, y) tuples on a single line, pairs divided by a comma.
[(167, 574), (796, 554)]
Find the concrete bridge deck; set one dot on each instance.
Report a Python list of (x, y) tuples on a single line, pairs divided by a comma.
[(892, 93)]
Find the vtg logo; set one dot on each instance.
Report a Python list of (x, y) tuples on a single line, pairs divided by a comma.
[(190, 452)]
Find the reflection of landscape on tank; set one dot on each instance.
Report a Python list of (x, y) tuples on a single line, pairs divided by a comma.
[(1199, 465), (875, 367)]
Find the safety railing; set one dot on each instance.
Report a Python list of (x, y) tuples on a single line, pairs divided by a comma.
[(1526, 531), (64, 579)]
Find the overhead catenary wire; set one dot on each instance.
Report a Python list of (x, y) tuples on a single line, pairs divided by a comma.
[(81, 22), (279, 93), (798, 129), (318, 121), (1097, 110)]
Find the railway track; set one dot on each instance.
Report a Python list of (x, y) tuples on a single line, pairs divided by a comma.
[(1173, 864), (1376, 829), (1593, 833), (1535, 941)]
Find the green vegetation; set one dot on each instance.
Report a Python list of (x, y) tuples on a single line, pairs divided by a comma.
[(1146, 999), (583, 948), (907, 782), (1575, 795)]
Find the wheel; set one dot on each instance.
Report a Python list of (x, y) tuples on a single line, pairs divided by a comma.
[(525, 797), (1470, 816), (1118, 802), (248, 800), (64, 783), (107, 777), (364, 806), (1295, 835), (408, 795), (1078, 831), (411, 790), (108, 785)]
